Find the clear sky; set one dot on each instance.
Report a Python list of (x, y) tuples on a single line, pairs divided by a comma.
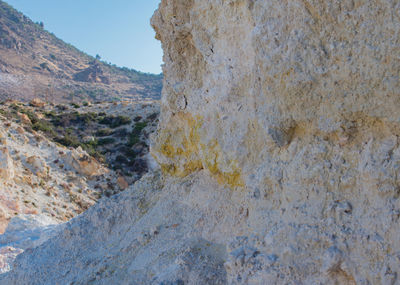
[(118, 30)]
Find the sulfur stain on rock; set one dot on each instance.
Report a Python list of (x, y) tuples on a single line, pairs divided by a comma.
[(211, 157), (183, 153), (180, 146)]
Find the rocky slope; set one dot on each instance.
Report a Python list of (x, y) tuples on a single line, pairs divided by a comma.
[(38, 177), (116, 134), (57, 161), (279, 149), (35, 63)]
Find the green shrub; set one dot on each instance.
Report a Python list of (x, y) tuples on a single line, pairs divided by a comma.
[(106, 141), (45, 65), (104, 132), (130, 154), (31, 115), (140, 126), (120, 133), (50, 114), (61, 107), (121, 159), (68, 140), (86, 117), (152, 117), (134, 136), (44, 126), (115, 122)]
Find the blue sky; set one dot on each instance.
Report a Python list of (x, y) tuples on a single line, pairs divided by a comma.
[(118, 30)]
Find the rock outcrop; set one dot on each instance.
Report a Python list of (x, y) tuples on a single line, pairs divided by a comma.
[(93, 74), (6, 165), (36, 102), (279, 147), (37, 166), (84, 164)]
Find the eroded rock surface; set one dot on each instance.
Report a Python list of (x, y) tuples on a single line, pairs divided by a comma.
[(83, 163), (24, 232), (6, 165), (279, 146)]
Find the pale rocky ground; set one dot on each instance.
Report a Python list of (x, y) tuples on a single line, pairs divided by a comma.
[(46, 183), (42, 178), (38, 179), (279, 153)]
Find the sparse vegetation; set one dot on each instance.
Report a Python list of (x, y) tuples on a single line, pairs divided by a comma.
[(104, 132), (45, 66), (134, 136), (115, 121), (116, 140), (106, 141), (44, 126)]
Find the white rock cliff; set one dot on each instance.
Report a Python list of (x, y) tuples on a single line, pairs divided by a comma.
[(279, 149)]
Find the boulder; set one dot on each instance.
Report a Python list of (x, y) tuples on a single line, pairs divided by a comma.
[(84, 163), (36, 102), (24, 119), (38, 166), (122, 183), (7, 170), (20, 130)]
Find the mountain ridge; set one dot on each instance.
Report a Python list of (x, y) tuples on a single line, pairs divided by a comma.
[(36, 63)]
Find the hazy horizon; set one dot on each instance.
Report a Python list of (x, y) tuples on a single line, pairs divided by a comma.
[(119, 31)]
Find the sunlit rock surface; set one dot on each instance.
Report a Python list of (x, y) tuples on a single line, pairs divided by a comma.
[(278, 143), (24, 232)]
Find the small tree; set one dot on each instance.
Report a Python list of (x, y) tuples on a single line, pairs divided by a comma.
[(98, 57)]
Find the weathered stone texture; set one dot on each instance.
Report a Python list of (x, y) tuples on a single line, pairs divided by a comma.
[(296, 103), (279, 145)]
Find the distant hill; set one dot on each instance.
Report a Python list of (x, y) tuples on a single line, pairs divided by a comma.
[(35, 63)]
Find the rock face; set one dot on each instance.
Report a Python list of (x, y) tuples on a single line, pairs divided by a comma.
[(294, 106), (279, 145)]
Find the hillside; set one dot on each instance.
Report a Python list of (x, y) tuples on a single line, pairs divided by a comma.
[(57, 161), (35, 63)]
